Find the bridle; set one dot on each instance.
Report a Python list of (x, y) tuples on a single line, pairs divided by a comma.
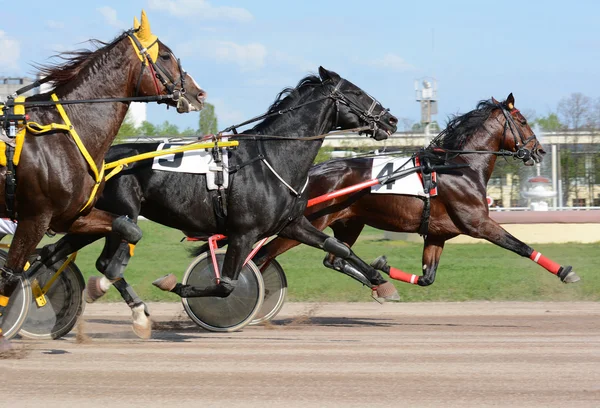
[(339, 97), (157, 71), (521, 151), (368, 116)]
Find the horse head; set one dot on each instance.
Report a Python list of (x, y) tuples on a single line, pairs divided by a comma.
[(356, 108), (161, 72), (518, 135)]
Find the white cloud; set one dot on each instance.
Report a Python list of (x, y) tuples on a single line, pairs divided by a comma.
[(202, 9), (110, 16), (55, 25), (11, 52), (297, 62), (247, 56), (391, 61)]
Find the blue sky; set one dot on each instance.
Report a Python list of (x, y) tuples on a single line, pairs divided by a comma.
[(244, 52)]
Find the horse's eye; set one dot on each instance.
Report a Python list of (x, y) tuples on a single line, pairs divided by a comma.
[(165, 57)]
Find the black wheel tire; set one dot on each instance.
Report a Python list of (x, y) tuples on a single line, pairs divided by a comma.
[(275, 292), (223, 314), (15, 313), (64, 303)]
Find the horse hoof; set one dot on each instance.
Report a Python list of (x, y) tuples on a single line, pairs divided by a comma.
[(166, 283), (567, 275), (93, 289), (380, 263), (571, 277), (388, 291), (142, 325)]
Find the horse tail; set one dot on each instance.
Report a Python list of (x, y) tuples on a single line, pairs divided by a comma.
[(194, 252)]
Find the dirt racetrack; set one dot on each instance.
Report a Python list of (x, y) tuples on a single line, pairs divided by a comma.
[(323, 355)]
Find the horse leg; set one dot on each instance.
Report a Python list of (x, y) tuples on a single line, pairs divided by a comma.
[(122, 236), (29, 233), (490, 230), (432, 251), (347, 261), (238, 248)]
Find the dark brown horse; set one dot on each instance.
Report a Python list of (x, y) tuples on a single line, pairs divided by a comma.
[(55, 182), (459, 208)]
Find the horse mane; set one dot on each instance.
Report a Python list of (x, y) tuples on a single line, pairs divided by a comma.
[(460, 128), (73, 62), (285, 98)]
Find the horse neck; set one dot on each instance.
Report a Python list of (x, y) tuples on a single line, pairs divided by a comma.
[(489, 139), (97, 125), (292, 159)]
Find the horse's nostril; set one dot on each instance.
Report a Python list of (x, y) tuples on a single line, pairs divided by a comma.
[(541, 151), (201, 96), (393, 120)]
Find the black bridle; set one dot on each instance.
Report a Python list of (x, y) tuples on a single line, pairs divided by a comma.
[(368, 116), (521, 151), (157, 71), (340, 97)]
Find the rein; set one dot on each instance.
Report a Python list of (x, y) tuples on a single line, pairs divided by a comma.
[(521, 152), (338, 96), (156, 70)]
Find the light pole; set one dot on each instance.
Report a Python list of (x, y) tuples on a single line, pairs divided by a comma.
[(426, 95)]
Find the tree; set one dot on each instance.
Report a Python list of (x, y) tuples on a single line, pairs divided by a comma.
[(208, 120), (167, 129), (147, 129), (575, 110), (188, 131), (126, 130), (550, 123)]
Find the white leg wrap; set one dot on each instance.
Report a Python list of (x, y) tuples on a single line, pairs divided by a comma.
[(105, 284), (139, 316)]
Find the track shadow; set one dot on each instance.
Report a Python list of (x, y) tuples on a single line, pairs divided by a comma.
[(331, 322), (352, 322)]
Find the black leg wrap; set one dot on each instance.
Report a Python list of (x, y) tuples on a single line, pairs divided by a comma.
[(119, 261), (380, 263), (336, 247), (128, 294), (344, 267), (222, 290), (8, 281), (127, 229), (563, 272)]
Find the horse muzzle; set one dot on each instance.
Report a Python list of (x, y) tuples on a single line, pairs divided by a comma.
[(187, 103)]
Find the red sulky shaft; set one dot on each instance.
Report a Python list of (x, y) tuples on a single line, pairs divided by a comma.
[(341, 192)]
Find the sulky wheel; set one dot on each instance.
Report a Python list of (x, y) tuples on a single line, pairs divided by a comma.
[(223, 314), (15, 313), (64, 302), (275, 292)]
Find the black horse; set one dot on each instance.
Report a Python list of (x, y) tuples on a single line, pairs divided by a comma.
[(266, 194)]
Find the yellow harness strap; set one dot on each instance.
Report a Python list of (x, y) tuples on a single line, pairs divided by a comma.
[(2, 154), (18, 109), (98, 175)]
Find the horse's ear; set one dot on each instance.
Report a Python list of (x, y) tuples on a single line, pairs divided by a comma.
[(325, 74), (494, 101), (136, 23), (510, 101)]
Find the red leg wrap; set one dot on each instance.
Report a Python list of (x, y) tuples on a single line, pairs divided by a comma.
[(403, 276), (540, 259)]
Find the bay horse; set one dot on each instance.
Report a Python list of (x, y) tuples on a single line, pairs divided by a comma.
[(57, 183), (460, 207), (266, 194)]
